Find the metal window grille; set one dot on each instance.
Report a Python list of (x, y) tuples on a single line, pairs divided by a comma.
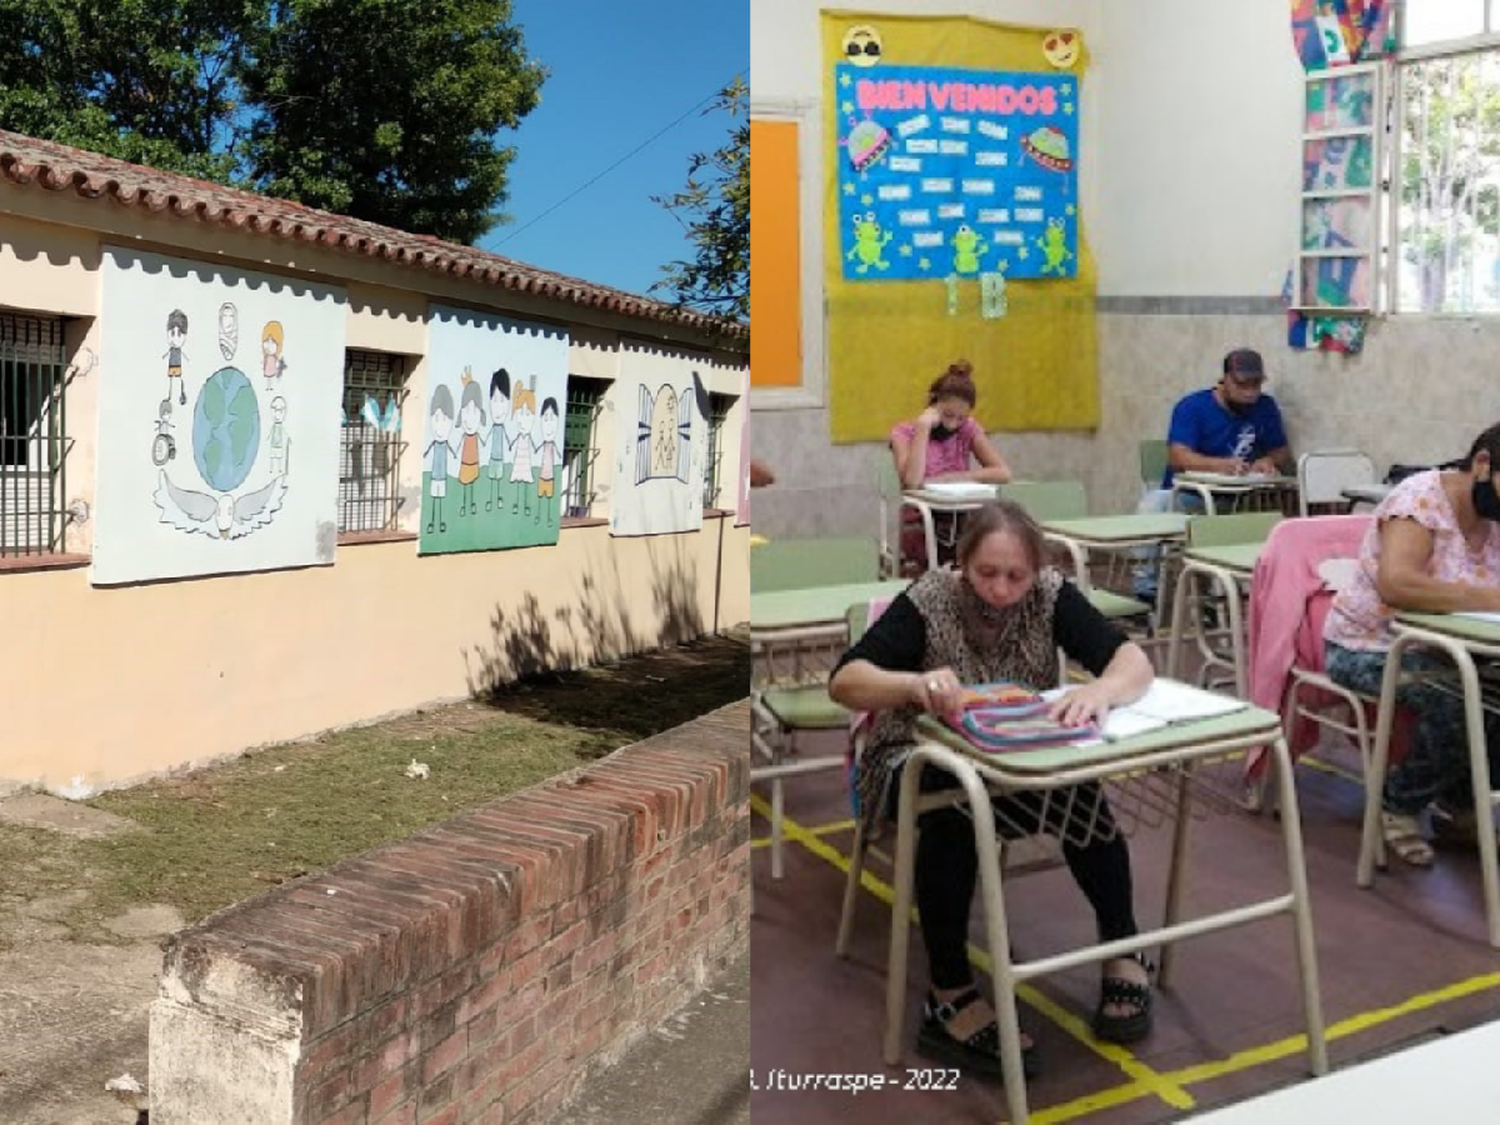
[(370, 441), (34, 442), (580, 447), (719, 407)]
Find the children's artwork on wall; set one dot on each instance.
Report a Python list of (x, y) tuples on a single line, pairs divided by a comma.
[(206, 465), (951, 173), (954, 161), (1329, 33), (493, 441), (662, 431)]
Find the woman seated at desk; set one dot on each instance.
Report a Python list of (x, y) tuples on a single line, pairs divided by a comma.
[(941, 445), (1000, 617), (1434, 548)]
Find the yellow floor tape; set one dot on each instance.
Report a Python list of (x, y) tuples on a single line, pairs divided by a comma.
[(1169, 1087)]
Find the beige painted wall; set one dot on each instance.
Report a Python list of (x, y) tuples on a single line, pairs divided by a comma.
[(109, 685)]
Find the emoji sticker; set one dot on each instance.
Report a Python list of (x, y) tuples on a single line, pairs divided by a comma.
[(862, 45), (1061, 48)]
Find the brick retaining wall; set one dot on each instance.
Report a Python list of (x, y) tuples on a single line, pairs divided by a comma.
[(477, 971)]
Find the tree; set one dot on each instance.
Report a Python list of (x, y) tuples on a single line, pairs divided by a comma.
[(150, 81), (1450, 168), (387, 109), (381, 109), (714, 208)]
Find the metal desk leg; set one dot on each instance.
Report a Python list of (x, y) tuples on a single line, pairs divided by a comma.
[(906, 855), (1371, 839), (1307, 955), (1183, 814)]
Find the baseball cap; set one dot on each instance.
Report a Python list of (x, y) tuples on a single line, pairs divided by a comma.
[(1244, 363)]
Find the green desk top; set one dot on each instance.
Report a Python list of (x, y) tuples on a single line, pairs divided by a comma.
[(1245, 723), (1238, 557), (816, 605), (1104, 529), (1452, 625)]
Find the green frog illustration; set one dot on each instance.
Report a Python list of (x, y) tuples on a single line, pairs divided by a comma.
[(968, 248), (1053, 245), (869, 241)]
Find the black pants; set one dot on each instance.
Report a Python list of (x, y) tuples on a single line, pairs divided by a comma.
[(947, 866)]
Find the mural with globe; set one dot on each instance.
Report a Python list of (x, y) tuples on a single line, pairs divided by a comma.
[(225, 473), (226, 429)]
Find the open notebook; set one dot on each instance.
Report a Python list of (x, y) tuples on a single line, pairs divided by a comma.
[(1165, 702)]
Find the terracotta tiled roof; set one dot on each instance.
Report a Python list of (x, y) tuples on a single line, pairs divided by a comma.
[(27, 160)]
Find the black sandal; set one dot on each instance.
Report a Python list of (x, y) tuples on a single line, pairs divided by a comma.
[(1119, 992), (979, 1054)]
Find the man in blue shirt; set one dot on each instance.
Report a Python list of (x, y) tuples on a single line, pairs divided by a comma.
[(1233, 427)]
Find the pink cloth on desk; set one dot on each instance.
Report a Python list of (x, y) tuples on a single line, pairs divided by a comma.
[(1288, 604)]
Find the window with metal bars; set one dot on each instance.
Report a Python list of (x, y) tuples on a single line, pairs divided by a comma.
[(34, 442), (580, 444), (1444, 205), (719, 407), (370, 442)]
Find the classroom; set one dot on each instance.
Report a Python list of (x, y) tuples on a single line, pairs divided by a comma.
[(1205, 296)]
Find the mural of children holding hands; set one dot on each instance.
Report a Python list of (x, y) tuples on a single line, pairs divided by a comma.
[(177, 325), (546, 485), (470, 418), (499, 412), (523, 446), (439, 449)]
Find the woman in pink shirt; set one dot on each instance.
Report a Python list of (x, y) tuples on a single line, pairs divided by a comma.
[(1434, 548), (941, 444)]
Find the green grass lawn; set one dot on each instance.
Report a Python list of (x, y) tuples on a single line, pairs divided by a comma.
[(226, 832)]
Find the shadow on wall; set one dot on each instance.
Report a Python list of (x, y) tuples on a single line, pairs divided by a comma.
[(598, 626)]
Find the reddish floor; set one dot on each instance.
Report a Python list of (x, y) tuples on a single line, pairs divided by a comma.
[(1400, 962)]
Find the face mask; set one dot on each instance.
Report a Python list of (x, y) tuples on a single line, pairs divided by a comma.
[(940, 433), (1486, 499)]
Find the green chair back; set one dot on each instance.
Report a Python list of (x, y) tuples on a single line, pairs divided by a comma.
[(1231, 530), (1049, 499), (796, 564), (1153, 455)]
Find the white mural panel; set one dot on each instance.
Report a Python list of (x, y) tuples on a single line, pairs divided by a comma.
[(493, 444), (663, 419), (219, 403)]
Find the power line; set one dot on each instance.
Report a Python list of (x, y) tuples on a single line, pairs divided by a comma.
[(585, 186)]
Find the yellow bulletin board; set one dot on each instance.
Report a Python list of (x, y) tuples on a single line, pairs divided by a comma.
[(1035, 362), (775, 254)]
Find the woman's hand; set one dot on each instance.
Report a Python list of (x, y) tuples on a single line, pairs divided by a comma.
[(1087, 703), (929, 419), (938, 692)]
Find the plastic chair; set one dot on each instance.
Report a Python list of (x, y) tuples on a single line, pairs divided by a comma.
[(1049, 499), (1322, 476), (1153, 454), (796, 564)]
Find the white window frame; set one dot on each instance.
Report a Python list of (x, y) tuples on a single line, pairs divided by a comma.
[(1371, 253), (1395, 121)]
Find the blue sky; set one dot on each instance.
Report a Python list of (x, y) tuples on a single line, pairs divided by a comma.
[(619, 74)]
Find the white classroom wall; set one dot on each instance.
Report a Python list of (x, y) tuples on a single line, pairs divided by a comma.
[(1190, 169)]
